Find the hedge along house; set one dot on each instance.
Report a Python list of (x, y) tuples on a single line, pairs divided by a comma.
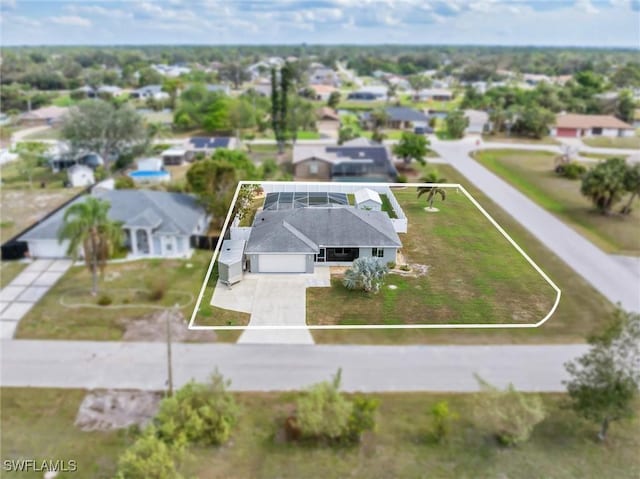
[(155, 224), (295, 240)]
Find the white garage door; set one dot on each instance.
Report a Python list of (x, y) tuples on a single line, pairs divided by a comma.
[(47, 248), (282, 263)]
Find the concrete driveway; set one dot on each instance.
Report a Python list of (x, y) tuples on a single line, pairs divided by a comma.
[(26, 289), (273, 300)]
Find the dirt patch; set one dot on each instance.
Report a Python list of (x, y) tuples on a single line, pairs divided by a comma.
[(111, 409), (153, 327), (415, 270)]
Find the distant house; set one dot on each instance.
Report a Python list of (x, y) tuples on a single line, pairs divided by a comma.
[(80, 175), (399, 117), (171, 71), (322, 92), (324, 76), (371, 93), (571, 125), (478, 122), (48, 115), (357, 160), (155, 223), (207, 145), (150, 91), (328, 121), (176, 156), (434, 94)]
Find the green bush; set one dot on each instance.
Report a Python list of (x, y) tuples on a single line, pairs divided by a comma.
[(402, 179), (324, 413), (510, 415), (124, 183), (198, 413), (391, 265), (149, 457), (442, 418), (572, 170), (105, 300)]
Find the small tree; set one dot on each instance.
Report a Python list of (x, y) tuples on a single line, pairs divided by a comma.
[(198, 413), (605, 183), (412, 147), (442, 417), (149, 457), (631, 185), (86, 225), (334, 99), (367, 274), (604, 381), (456, 123), (433, 190), (509, 414)]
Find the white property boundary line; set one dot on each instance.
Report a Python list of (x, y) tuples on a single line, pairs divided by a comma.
[(193, 326)]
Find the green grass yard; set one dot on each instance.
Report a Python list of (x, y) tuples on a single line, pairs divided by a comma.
[(532, 173), (9, 270), (581, 311), (502, 138), (475, 276), (38, 423), (15, 176), (631, 142)]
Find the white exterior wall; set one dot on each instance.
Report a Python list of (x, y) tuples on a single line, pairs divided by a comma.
[(628, 133), (610, 132), (389, 254), (48, 248)]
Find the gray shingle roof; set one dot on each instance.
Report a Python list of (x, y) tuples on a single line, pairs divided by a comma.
[(304, 230), (402, 113), (170, 213)]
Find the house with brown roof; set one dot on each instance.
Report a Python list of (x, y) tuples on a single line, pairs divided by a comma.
[(571, 125), (48, 115), (322, 92)]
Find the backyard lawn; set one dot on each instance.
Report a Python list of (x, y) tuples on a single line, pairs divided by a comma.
[(532, 173), (617, 142), (581, 309), (38, 423), (475, 276), (15, 176), (63, 312)]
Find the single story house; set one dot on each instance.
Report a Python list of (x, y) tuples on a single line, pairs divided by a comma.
[(434, 94), (323, 76), (155, 223), (80, 175), (571, 125), (207, 145), (48, 115), (370, 93), (322, 92), (328, 121), (478, 122), (352, 161), (295, 240), (150, 91), (399, 117), (176, 155)]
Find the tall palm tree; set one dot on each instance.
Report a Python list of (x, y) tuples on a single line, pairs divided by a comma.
[(87, 226), (433, 190)]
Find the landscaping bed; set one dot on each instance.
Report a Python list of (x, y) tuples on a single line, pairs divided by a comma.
[(39, 423), (532, 173)]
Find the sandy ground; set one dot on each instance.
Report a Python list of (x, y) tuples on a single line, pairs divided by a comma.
[(110, 409), (153, 328)]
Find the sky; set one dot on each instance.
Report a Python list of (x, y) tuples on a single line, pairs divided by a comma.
[(582, 23)]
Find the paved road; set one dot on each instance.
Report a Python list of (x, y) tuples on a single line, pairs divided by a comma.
[(614, 280), (85, 364), (25, 290)]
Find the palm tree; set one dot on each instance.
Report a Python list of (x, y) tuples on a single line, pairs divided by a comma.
[(433, 190), (87, 226)]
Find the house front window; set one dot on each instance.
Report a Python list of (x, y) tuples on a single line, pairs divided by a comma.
[(377, 252)]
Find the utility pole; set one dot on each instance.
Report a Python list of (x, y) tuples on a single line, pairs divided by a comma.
[(168, 315)]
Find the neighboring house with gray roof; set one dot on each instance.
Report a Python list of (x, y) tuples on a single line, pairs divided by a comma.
[(155, 224), (399, 117), (150, 91), (295, 240), (359, 160)]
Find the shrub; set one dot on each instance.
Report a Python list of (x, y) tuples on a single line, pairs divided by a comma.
[(402, 179), (571, 171), (442, 418), (198, 413), (105, 300), (391, 265), (177, 187), (157, 288), (509, 414), (366, 274), (323, 413), (405, 267), (149, 457), (124, 183)]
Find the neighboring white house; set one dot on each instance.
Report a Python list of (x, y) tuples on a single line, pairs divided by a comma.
[(570, 125), (478, 122), (155, 224), (367, 199), (80, 175)]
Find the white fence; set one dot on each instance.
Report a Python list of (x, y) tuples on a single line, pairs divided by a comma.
[(399, 223)]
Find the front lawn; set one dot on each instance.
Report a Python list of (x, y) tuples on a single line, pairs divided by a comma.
[(38, 423), (475, 276), (532, 173), (631, 142), (9, 270), (60, 314), (581, 311), (15, 176), (503, 138)]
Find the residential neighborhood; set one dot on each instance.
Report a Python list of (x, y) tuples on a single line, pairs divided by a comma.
[(319, 239)]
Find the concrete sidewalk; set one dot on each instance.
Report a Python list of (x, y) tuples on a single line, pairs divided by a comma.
[(87, 364), (26, 289)]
